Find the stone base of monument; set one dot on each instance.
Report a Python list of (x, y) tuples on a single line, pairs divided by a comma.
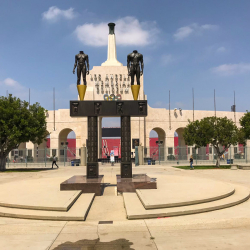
[(86, 185), (138, 181)]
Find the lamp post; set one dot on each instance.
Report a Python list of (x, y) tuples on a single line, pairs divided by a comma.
[(159, 143)]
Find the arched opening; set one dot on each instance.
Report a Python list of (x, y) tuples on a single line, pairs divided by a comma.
[(156, 144), (183, 152), (180, 148), (19, 154), (66, 145), (111, 138), (41, 151)]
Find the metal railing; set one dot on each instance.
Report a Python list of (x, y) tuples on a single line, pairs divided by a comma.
[(21, 158), (203, 155)]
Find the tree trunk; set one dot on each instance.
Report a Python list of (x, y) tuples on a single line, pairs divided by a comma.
[(2, 163), (218, 156), (218, 161)]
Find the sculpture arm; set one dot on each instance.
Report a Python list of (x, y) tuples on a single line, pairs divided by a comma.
[(128, 64), (142, 65), (75, 64), (87, 61)]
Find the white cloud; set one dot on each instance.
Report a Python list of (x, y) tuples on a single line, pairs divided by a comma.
[(231, 69), (11, 84), (194, 28), (54, 14), (221, 50), (183, 32), (208, 27), (129, 32), (13, 87)]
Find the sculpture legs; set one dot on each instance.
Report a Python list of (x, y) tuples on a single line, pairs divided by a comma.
[(81, 69), (135, 88)]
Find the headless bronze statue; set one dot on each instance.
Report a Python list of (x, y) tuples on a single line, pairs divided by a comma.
[(135, 67), (82, 64)]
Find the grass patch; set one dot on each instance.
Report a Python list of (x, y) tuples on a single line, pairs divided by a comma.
[(204, 167)]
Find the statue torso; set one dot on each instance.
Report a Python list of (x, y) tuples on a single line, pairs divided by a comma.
[(135, 58), (81, 58)]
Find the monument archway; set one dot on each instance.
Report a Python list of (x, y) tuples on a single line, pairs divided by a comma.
[(181, 150), (110, 135), (157, 146), (40, 150), (65, 150)]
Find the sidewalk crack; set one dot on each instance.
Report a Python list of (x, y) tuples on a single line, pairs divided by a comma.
[(151, 237), (57, 236)]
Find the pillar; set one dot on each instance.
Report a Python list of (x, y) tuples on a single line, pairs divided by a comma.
[(92, 164), (126, 165), (83, 156), (141, 155), (100, 137)]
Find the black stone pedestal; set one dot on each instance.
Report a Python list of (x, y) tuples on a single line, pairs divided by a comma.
[(92, 170), (87, 185), (138, 181)]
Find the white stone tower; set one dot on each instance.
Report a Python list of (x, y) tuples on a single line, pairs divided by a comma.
[(112, 57)]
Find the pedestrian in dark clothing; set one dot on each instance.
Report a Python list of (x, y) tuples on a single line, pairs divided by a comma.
[(191, 162), (54, 161)]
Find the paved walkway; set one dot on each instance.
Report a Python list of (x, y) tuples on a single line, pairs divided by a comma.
[(222, 229)]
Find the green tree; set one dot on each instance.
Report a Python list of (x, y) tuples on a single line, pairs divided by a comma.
[(245, 124), (19, 123), (221, 133)]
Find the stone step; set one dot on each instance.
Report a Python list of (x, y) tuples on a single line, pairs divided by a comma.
[(70, 199), (77, 212), (161, 198), (135, 209)]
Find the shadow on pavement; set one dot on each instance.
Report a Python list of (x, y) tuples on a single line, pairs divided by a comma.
[(119, 244)]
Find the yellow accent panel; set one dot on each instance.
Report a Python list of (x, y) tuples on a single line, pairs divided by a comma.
[(135, 91), (81, 91)]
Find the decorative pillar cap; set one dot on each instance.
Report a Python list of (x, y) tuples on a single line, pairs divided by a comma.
[(111, 28)]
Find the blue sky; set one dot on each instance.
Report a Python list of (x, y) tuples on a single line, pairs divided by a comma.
[(188, 44)]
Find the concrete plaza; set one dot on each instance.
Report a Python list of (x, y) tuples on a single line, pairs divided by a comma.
[(220, 229)]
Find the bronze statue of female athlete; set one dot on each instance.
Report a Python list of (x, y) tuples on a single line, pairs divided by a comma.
[(82, 64), (134, 60)]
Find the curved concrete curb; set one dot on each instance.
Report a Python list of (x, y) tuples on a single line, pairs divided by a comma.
[(135, 209), (65, 208), (179, 204), (77, 212)]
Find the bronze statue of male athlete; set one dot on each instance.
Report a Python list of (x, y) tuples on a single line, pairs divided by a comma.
[(134, 60), (82, 63)]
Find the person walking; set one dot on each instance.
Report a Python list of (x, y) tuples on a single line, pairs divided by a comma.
[(191, 162), (112, 159), (54, 161)]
